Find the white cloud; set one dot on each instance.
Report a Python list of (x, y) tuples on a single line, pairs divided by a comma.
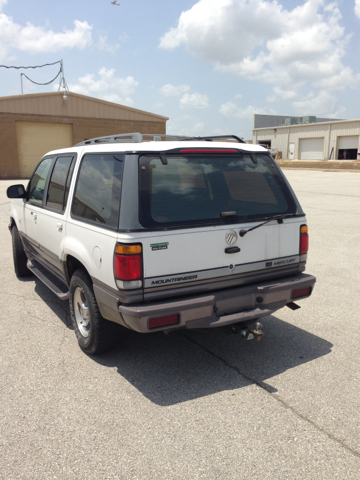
[(108, 47), (357, 8), (169, 90), (195, 101), (107, 86), (261, 40), (231, 110), (103, 43), (33, 39), (185, 125), (321, 104)]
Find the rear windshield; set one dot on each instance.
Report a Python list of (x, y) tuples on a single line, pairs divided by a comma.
[(197, 189)]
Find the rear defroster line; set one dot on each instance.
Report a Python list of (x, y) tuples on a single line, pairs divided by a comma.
[(273, 392)]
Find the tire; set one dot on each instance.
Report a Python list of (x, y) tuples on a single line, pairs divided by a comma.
[(19, 255), (94, 334)]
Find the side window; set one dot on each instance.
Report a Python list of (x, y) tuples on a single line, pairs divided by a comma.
[(97, 195), (38, 181), (59, 182)]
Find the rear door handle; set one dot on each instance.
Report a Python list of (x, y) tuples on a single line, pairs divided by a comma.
[(34, 215), (59, 226)]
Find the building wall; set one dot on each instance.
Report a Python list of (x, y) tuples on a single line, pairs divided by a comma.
[(83, 128), (329, 131)]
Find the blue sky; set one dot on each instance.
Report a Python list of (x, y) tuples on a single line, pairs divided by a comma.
[(208, 65)]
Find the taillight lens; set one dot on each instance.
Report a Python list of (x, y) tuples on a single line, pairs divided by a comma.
[(208, 150), (304, 239), (127, 267), (128, 264)]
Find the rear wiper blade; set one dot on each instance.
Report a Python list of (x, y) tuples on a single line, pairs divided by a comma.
[(279, 218)]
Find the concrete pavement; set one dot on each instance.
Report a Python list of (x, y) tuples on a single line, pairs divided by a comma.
[(192, 405)]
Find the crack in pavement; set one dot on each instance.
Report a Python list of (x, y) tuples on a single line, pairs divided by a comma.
[(270, 391)]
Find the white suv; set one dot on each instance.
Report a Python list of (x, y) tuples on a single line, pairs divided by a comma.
[(159, 235)]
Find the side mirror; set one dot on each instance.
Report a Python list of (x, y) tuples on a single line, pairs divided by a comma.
[(16, 191)]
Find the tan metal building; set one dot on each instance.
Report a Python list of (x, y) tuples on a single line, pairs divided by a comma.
[(331, 140), (31, 125)]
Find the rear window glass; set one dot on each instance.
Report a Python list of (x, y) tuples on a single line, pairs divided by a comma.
[(97, 195), (197, 189)]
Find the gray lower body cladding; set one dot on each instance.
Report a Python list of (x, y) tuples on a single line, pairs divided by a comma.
[(220, 308)]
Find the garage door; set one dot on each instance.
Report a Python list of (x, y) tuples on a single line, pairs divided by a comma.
[(312, 149), (34, 139), (348, 142)]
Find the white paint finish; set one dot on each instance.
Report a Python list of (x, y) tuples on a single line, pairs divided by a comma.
[(31, 222), (50, 236), (204, 249), (82, 238), (312, 149)]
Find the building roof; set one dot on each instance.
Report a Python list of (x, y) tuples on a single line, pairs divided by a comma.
[(268, 121), (308, 125), (76, 105)]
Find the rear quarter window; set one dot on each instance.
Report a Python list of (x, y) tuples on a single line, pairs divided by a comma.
[(98, 189)]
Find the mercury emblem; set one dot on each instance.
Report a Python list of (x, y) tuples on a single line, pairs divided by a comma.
[(231, 237)]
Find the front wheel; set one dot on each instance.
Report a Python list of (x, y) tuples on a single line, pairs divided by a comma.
[(94, 333)]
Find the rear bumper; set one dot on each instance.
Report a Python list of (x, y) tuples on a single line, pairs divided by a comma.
[(221, 308)]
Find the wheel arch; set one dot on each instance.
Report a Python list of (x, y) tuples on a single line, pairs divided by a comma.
[(71, 265), (12, 223)]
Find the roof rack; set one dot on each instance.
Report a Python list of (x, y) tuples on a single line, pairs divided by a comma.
[(137, 137), (231, 138)]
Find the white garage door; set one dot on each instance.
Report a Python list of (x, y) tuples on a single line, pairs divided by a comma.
[(312, 149), (34, 139), (346, 143)]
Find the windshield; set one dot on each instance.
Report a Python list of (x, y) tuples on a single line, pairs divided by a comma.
[(198, 189)]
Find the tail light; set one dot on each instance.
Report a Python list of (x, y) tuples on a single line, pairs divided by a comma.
[(304, 239), (128, 266)]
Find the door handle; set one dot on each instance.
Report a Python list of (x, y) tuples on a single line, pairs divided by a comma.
[(59, 226), (34, 215)]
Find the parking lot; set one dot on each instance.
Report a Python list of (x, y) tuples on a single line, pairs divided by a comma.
[(192, 405)]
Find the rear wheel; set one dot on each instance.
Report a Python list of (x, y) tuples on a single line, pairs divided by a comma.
[(19, 255), (94, 333)]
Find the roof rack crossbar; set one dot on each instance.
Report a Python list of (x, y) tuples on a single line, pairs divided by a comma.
[(210, 138), (137, 137)]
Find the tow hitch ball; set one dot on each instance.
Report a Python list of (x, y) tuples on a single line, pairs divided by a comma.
[(247, 334)]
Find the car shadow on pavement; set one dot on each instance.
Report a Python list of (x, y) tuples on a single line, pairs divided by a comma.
[(186, 365), (59, 307)]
